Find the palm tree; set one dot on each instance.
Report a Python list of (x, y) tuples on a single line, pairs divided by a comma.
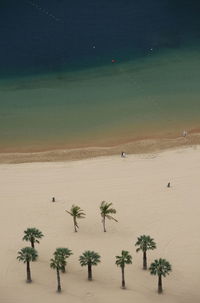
[(160, 268), (32, 234), (26, 255), (145, 243), (106, 210), (77, 213), (125, 258), (64, 253), (89, 258), (57, 263)]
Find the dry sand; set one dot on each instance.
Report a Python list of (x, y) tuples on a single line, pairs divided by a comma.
[(137, 187)]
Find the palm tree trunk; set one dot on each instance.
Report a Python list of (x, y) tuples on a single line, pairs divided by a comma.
[(160, 290), (89, 272), (104, 223), (144, 259), (123, 278), (32, 243), (28, 272), (58, 279), (75, 225)]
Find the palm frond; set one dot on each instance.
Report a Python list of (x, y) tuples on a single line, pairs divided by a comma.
[(111, 218), (69, 212), (112, 211), (81, 215)]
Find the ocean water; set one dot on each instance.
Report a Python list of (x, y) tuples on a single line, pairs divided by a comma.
[(97, 73)]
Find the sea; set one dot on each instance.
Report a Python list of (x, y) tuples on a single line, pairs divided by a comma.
[(97, 72)]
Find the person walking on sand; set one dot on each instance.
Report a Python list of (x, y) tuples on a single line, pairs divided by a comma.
[(168, 185), (53, 199), (123, 155)]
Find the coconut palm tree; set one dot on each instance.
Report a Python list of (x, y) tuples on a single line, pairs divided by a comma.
[(32, 234), (26, 255), (77, 213), (145, 243), (106, 210), (89, 259), (64, 253), (57, 263), (160, 268), (121, 261)]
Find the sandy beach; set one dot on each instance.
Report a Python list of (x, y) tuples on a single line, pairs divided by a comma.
[(137, 187)]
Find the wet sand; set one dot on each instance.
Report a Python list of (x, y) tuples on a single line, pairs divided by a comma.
[(134, 147)]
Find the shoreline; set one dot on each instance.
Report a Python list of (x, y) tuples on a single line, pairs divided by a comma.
[(144, 146)]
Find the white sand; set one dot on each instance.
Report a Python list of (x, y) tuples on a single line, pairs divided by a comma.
[(137, 187)]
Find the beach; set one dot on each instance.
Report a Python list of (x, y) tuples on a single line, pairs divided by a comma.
[(137, 187), (81, 85)]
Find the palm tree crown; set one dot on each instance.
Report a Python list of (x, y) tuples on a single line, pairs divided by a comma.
[(89, 258), (125, 258), (32, 235), (27, 254), (57, 262), (63, 253), (145, 243), (106, 210), (77, 213), (160, 267)]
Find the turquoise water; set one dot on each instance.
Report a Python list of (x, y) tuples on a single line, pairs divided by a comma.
[(149, 97)]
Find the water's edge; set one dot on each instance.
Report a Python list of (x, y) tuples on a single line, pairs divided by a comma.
[(147, 146)]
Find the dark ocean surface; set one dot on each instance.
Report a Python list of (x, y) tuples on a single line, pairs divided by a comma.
[(46, 35)]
